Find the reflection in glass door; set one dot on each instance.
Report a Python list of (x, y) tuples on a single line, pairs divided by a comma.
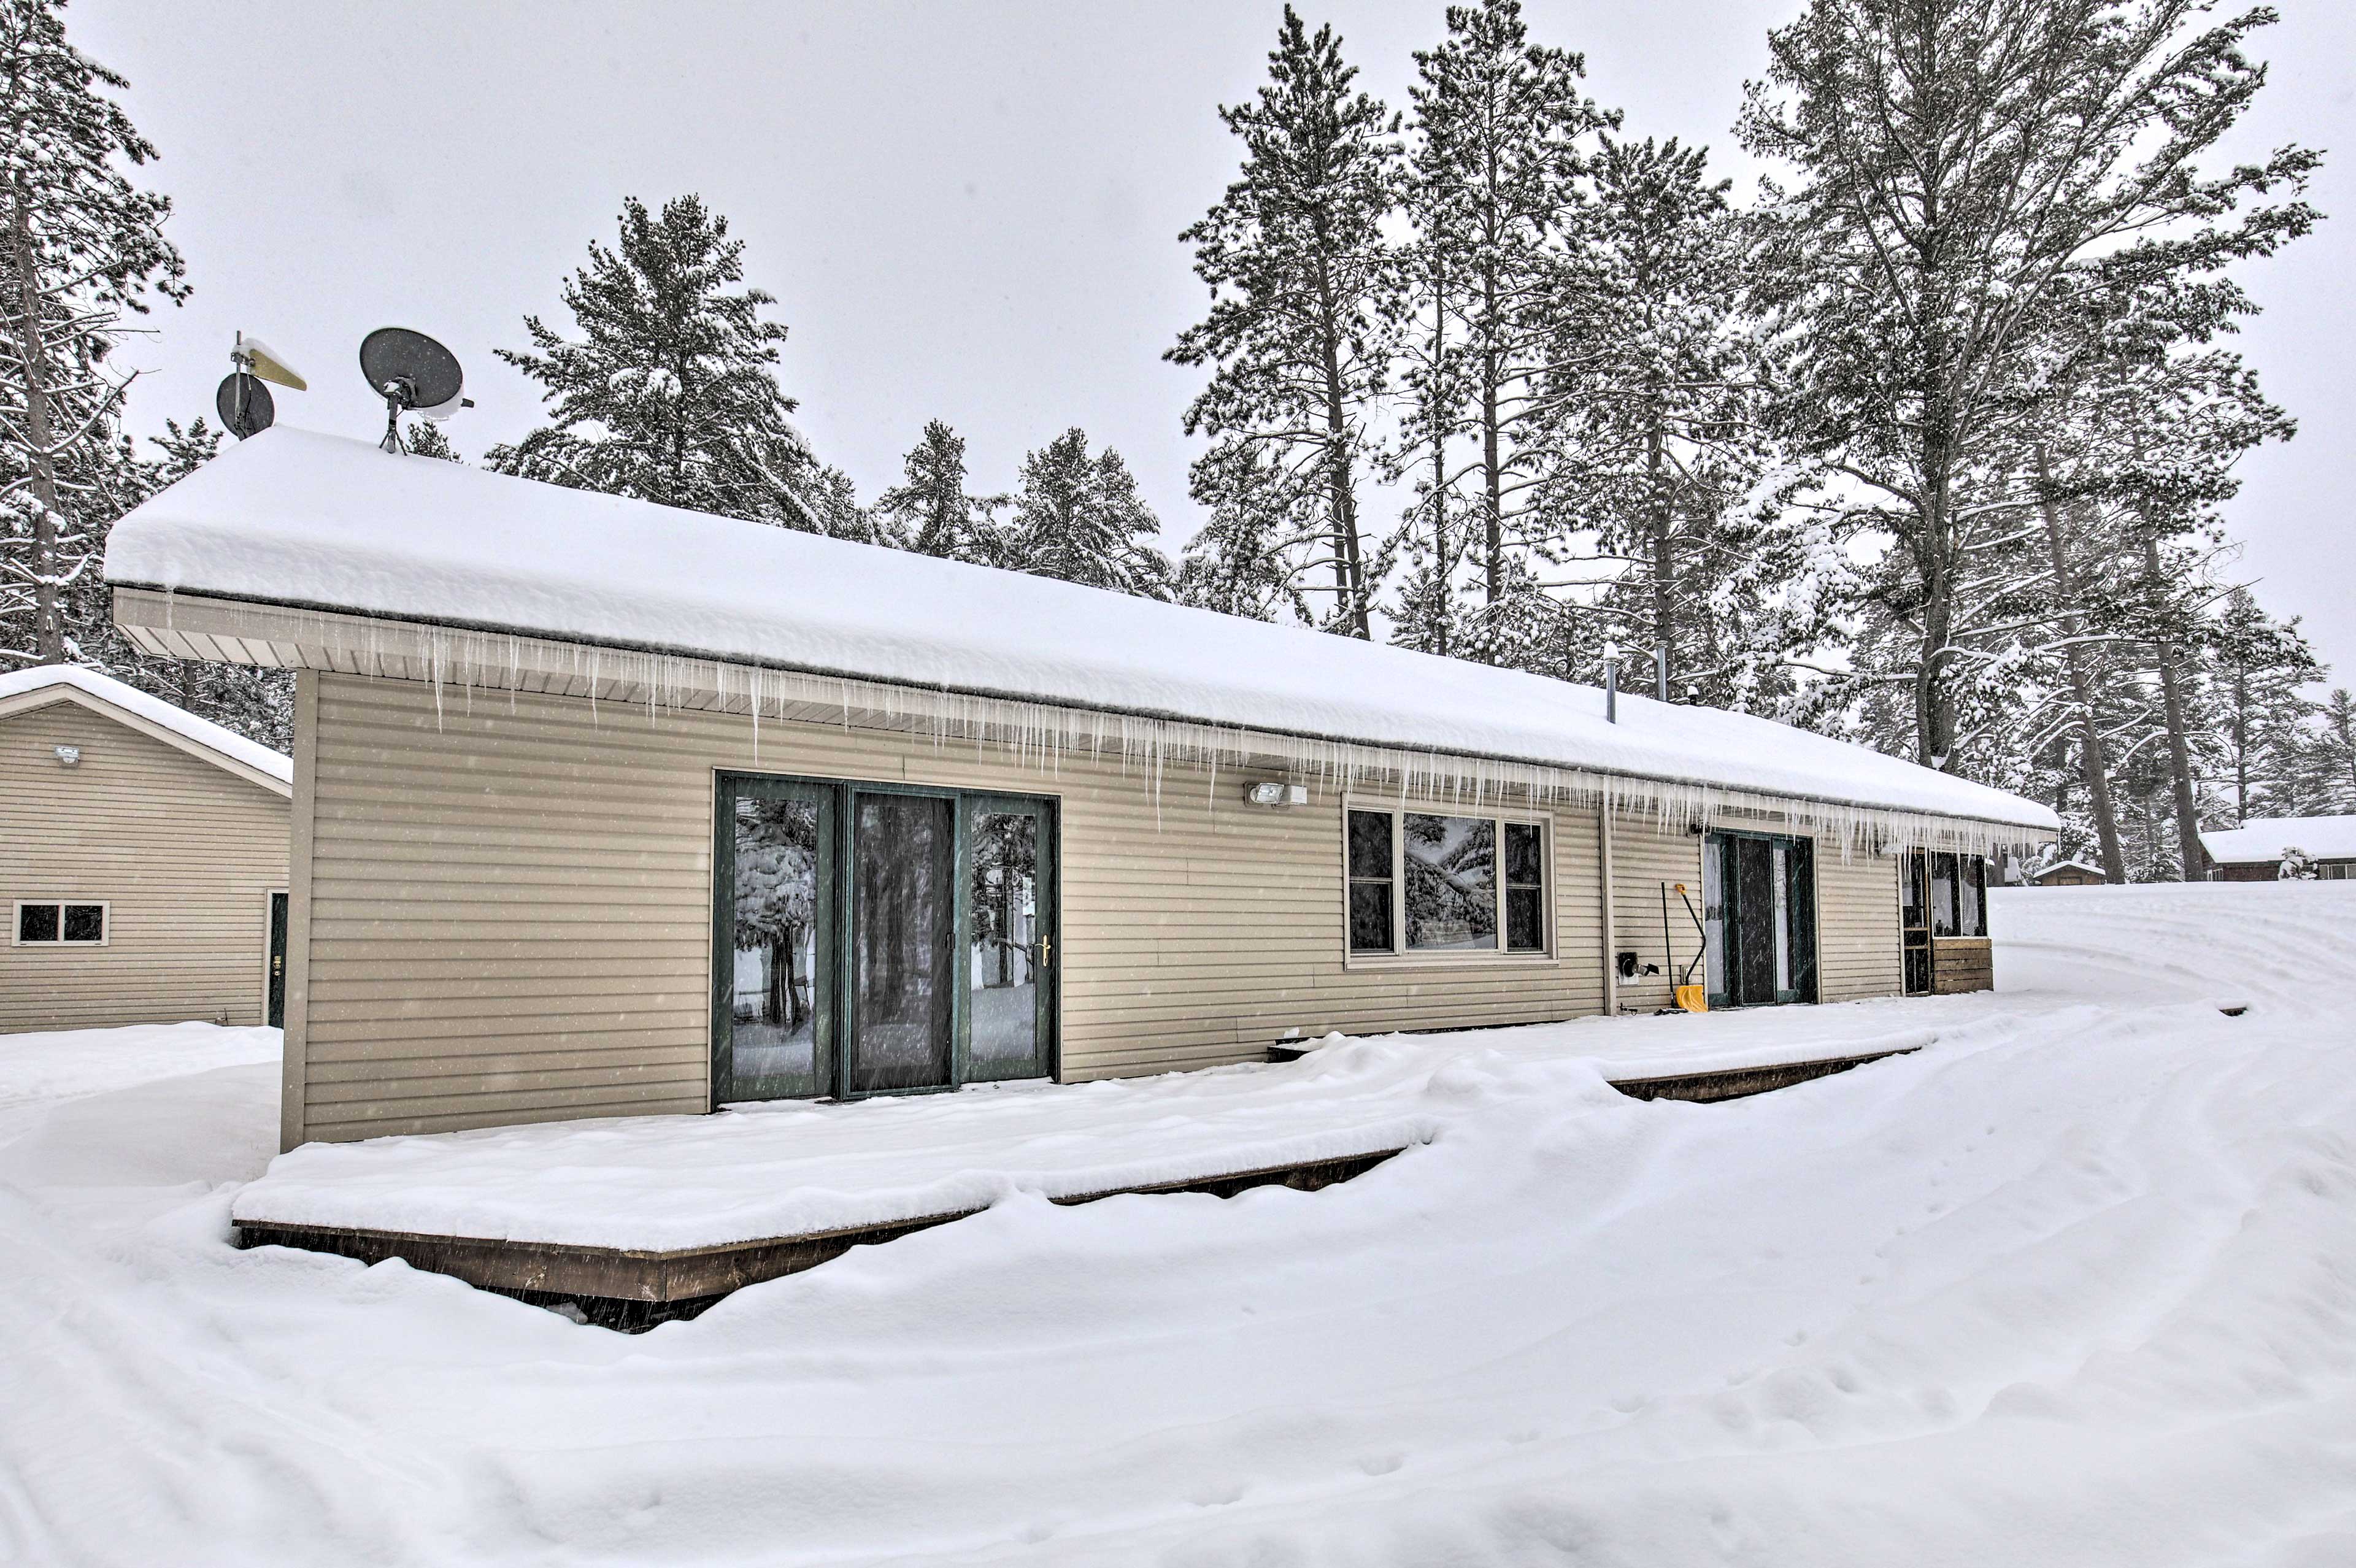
[(1759, 907), (903, 922), (1009, 948), (776, 887), (875, 939)]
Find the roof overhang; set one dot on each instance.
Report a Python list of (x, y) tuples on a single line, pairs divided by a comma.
[(48, 696), (292, 636)]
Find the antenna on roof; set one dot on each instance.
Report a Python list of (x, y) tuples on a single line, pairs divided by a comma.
[(413, 374), (244, 404)]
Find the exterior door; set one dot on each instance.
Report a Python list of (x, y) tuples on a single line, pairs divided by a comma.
[(274, 983), (1760, 907), (902, 942), (879, 938), (774, 896), (1010, 946), (1915, 922)]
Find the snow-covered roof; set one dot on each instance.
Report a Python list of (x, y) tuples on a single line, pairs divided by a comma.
[(2264, 838), (20, 690), (2073, 865), (296, 518)]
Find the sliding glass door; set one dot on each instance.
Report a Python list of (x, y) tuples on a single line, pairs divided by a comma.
[(929, 913), (1759, 899)]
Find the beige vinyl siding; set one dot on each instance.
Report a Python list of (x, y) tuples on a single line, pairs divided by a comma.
[(508, 913), (1856, 910), (1645, 853), (1858, 937), (185, 852)]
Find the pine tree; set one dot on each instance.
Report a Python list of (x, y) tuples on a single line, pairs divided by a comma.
[(1297, 267), (932, 507), (424, 438), (1657, 424), (2328, 760), (1969, 173), (1249, 554), (1080, 519), (2257, 669), (81, 249), (1498, 124), (670, 394)]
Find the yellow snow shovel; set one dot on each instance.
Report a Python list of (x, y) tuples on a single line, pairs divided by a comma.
[(1691, 998)]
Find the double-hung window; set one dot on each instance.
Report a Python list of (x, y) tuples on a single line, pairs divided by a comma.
[(1443, 883), (60, 923)]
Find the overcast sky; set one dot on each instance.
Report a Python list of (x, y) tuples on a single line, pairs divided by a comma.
[(967, 212)]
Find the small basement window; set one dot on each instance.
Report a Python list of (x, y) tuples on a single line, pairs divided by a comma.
[(1443, 884), (60, 924)]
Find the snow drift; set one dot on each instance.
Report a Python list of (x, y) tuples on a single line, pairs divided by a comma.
[(2074, 1285)]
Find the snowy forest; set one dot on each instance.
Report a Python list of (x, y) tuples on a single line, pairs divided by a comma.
[(1927, 441)]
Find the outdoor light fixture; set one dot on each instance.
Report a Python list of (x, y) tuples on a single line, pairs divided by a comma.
[(1269, 792), (68, 755)]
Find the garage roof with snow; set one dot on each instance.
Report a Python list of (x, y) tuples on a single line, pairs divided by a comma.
[(2263, 840)]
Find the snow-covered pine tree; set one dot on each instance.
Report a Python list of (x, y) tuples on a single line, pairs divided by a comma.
[(1298, 269), (1656, 422), (2327, 759), (2257, 669), (670, 394), (932, 508), (1967, 171), (1079, 518), (1498, 124), (81, 249), (424, 438), (1261, 538)]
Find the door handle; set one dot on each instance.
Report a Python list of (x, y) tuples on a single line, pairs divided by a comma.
[(1047, 951)]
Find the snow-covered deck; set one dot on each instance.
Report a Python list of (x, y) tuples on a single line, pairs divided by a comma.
[(788, 1171)]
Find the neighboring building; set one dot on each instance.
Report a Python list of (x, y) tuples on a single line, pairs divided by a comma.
[(2253, 851), (2067, 874), (142, 858), (603, 808)]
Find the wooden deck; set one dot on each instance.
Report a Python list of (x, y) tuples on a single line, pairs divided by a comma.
[(633, 1289)]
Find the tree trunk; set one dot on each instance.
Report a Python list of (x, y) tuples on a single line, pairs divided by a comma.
[(48, 615), (785, 1001), (2179, 746), (2092, 762), (1349, 579), (1663, 563), (1492, 509)]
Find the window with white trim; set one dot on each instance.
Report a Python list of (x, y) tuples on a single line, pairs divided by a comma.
[(1437, 883), (60, 923)]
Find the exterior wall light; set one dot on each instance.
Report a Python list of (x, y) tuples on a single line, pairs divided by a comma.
[(68, 755), (1268, 792)]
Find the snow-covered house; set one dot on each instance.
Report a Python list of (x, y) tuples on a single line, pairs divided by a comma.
[(2253, 851), (143, 860), (606, 809)]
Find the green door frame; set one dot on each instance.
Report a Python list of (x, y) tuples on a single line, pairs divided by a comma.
[(1798, 851), (838, 812)]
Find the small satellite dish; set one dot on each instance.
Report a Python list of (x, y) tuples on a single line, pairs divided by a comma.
[(245, 405), (412, 374)]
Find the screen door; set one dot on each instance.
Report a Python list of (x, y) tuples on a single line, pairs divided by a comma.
[(1010, 937)]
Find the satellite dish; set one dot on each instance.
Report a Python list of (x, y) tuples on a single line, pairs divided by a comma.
[(412, 374), (244, 404)]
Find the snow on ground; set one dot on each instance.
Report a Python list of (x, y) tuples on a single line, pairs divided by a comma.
[(2076, 1284)]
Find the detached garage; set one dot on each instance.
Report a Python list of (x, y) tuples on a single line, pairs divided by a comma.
[(143, 860)]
